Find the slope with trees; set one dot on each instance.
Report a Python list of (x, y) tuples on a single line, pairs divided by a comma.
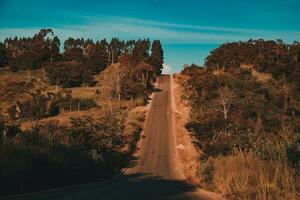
[(247, 128), (73, 116)]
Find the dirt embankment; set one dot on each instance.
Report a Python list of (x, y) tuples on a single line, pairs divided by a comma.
[(187, 153)]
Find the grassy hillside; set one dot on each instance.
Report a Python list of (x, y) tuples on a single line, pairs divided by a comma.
[(246, 121)]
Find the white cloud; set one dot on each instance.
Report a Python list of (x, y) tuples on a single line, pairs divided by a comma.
[(169, 33), (166, 69)]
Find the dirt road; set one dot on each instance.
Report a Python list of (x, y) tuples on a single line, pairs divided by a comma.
[(156, 174)]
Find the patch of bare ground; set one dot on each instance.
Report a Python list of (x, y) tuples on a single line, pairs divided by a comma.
[(187, 153)]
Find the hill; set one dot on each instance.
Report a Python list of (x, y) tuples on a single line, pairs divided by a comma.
[(74, 116), (245, 117)]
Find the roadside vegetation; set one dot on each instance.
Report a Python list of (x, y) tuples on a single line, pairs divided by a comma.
[(71, 117), (245, 118)]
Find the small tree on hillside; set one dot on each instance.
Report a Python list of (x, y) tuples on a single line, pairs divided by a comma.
[(225, 100)]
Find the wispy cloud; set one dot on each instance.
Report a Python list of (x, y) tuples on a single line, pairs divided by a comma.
[(169, 33)]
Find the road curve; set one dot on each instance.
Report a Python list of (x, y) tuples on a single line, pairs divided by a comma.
[(156, 174)]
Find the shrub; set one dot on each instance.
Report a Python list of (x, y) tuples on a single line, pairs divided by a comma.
[(133, 126), (51, 155), (215, 137), (244, 176), (32, 168), (141, 100), (54, 108)]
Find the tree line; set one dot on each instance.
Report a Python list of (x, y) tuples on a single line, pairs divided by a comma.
[(270, 56), (128, 68), (56, 153), (82, 58)]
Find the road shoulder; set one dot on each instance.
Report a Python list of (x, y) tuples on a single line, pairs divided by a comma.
[(187, 153)]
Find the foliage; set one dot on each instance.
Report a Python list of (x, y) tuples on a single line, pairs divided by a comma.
[(41, 106), (54, 108), (87, 150), (133, 127), (50, 154), (157, 56), (3, 56), (245, 176), (69, 74), (32, 53), (245, 112), (274, 57)]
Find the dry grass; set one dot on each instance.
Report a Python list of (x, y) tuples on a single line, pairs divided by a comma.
[(84, 92), (220, 71), (64, 118), (39, 75), (19, 86), (262, 77), (133, 126), (246, 177), (136, 118)]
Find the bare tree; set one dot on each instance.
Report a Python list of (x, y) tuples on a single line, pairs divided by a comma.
[(114, 76), (224, 101)]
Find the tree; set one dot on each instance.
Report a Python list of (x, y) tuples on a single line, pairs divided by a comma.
[(144, 71), (73, 50), (113, 77), (141, 50), (38, 105), (3, 56), (295, 51), (32, 53), (97, 58), (157, 57), (115, 49), (54, 45), (225, 101), (69, 74)]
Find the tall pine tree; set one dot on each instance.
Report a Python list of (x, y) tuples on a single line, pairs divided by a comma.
[(157, 57)]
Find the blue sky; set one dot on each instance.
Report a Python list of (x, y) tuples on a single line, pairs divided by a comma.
[(188, 29)]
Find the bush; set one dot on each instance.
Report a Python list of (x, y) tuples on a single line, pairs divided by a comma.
[(133, 127), (54, 108), (141, 100), (51, 155), (26, 169), (245, 177), (132, 88), (215, 137)]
